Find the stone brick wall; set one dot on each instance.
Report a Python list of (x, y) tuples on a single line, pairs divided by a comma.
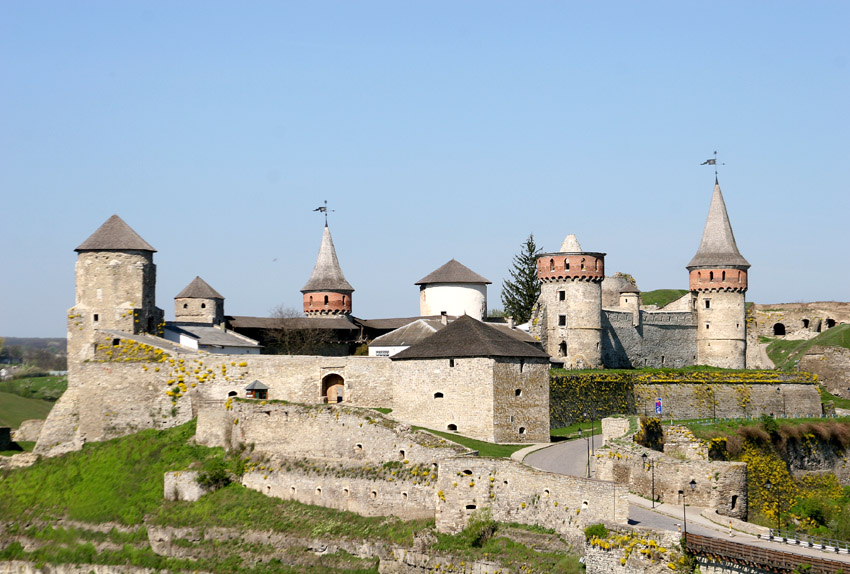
[(518, 493), (831, 365), (182, 485), (321, 432), (800, 320), (696, 400), (28, 430), (366, 497), (680, 442), (199, 310), (574, 320), (615, 561), (661, 339), (521, 400), (719, 485), (614, 427), (721, 329)]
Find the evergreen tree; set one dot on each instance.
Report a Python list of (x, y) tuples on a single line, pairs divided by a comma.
[(520, 292)]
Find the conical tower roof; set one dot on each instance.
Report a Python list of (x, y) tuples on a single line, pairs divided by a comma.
[(570, 244), (199, 289), (452, 272), (115, 235), (327, 275), (718, 247)]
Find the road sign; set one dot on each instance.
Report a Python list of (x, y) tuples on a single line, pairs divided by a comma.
[(658, 406)]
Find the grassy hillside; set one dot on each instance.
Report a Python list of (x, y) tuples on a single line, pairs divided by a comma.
[(14, 409), (661, 297), (121, 481), (784, 353), (44, 388)]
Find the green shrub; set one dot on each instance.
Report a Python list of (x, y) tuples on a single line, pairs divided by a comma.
[(214, 474), (480, 527), (595, 531)]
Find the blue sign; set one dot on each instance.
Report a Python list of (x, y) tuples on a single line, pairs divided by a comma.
[(658, 406)]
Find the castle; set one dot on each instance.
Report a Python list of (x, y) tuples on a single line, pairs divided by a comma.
[(707, 326), (489, 381)]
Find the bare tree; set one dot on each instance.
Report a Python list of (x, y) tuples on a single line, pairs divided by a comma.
[(291, 333)]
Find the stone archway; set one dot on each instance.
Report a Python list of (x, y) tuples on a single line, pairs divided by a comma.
[(778, 330), (333, 387)]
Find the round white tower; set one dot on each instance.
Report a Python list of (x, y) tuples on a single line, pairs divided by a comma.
[(453, 289), (571, 297)]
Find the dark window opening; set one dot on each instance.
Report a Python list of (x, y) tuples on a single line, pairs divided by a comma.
[(451, 362), (562, 320), (551, 265), (724, 276), (708, 304), (185, 305), (95, 317), (452, 427), (470, 507), (232, 394), (562, 295), (521, 430), (521, 365), (711, 275), (562, 348), (401, 455), (518, 393), (438, 395), (805, 323), (467, 472), (830, 323), (203, 305), (116, 342), (778, 329), (326, 300), (734, 501)]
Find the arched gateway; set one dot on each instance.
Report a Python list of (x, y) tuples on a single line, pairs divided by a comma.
[(333, 387)]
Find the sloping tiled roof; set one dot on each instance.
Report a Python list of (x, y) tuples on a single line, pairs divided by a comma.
[(452, 272), (293, 323), (199, 289), (327, 274), (257, 386), (213, 336), (115, 235), (393, 322), (718, 247), (468, 337), (409, 334)]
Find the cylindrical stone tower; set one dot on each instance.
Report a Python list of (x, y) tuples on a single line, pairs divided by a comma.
[(199, 303), (327, 293), (718, 281), (116, 287), (571, 296)]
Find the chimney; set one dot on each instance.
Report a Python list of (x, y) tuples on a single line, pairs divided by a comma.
[(511, 323), (444, 318)]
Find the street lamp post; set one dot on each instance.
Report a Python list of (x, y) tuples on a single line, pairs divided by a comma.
[(651, 465), (693, 485), (768, 485), (784, 410), (587, 440)]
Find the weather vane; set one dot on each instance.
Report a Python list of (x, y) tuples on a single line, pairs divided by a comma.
[(713, 162), (324, 209)]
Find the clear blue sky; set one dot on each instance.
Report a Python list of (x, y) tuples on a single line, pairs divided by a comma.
[(435, 129)]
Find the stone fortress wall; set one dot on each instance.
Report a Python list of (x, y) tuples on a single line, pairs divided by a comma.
[(797, 320), (650, 339), (719, 485)]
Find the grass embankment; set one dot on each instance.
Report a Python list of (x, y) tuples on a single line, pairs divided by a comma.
[(121, 482), (785, 353), (484, 448), (43, 388), (661, 297), (814, 503), (14, 409)]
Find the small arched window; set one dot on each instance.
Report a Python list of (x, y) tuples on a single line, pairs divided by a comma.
[(711, 275), (311, 300), (452, 427), (326, 300), (699, 276), (566, 264), (438, 395), (562, 348), (185, 305), (724, 276), (203, 305), (551, 265), (582, 264)]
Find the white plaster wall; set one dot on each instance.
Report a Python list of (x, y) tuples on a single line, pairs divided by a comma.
[(385, 351), (454, 299)]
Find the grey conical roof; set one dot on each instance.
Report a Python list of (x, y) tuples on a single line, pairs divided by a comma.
[(199, 289), (468, 337), (115, 235), (452, 272), (327, 275), (718, 247)]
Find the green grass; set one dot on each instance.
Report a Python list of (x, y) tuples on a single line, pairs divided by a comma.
[(571, 431), (784, 352), (730, 427), (44, 388), (648, 370), (22, 446), (15, 409), (661, 297), (838, 401), (383, 410), (484, 448)]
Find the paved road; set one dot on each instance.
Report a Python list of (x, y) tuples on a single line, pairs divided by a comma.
[(570, 457)]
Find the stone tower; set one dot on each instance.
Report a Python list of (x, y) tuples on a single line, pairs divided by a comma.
[(116, 284), (718, 282), (454, 289), (327, 293), (199, 303), (570, 325)]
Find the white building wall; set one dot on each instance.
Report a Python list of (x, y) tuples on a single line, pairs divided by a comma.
[(454, 299)]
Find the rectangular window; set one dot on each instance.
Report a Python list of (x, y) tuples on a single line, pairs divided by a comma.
[(708, 303), (95, 317), (562, 320), (562, 295), (451, 362)]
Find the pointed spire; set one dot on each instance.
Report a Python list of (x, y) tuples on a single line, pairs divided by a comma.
[(199, 289), (327, 275), (718, 247), (115, 235), (570, 244)]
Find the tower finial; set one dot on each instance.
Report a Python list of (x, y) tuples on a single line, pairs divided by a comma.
[(324, 209), (713, 161)]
